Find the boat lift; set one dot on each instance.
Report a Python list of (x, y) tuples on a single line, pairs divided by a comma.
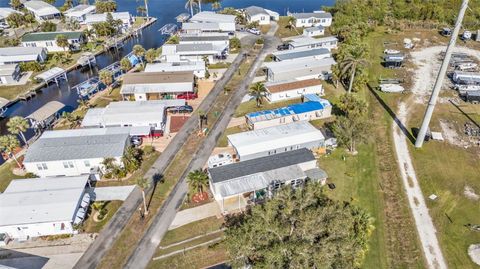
[(115, 69), (88, 87), (87, 58), (55, 74)]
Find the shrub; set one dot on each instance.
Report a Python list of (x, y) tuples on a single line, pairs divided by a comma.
[(30, 66)]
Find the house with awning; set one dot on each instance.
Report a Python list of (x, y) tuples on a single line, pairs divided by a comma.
[(145, 86), (237, 185)]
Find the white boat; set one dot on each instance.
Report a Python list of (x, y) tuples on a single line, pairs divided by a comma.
[(389, 51), (391, 88), (466, 66)]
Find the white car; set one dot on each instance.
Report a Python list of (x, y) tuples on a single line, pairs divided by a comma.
[(254, 31)]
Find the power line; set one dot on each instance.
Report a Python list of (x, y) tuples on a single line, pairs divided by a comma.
[(440, 77)]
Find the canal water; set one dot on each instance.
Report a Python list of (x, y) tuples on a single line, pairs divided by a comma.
[(165, 11)]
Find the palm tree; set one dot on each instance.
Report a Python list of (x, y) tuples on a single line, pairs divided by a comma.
[(206, 60), (132, 158), (18, 125), (151, 55), (15, 20), (144, 184), (71, 118), (258, 91), (106, 77), (139, 52), (141, 10), (15, 4), (197, 181), (83, 104), (216, 5), (8, 145), (353, 60), (62, 41), (291, 24), (125, 65)]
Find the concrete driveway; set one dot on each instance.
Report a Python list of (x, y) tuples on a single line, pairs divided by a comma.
[(110, 193)]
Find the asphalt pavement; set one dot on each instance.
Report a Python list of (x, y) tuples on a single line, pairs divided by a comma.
[(151, 239)]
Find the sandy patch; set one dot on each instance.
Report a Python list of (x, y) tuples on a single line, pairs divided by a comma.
[(469, 192), (474, 253)]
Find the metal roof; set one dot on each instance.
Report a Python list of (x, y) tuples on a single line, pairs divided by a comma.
[(290, 110), (46, 111), (5, 11), (308, 41), (50, 74), (281, 136), (255, 10), (175, 67), (197, 48), (318, 15), (301, 53), (7, 69), (21, 51), (125, 113), (205, 26), (299, 64), (190, 38), (274, 87), (41, 8), (314, 28), (209, 16), (268, 163), (40, 200), (94, 18), (79, 10), (48, 36), (78, 144)]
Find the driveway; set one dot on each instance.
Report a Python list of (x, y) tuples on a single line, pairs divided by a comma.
[(149, 243), (120, 193), (193, 214)]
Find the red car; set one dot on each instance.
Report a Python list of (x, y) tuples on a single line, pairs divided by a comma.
[(187, 96)]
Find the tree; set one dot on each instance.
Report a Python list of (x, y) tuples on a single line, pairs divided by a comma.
[(354, 59), (125, 64), (48, 27), (8, 145), (216, 5), (142, 10), (144, 184), (62, 41), (352, 127), (18, 125), (72, 119), (173, 40), (299, 228), (291, 22), (139, 52), (105, 6), (258, 91), (235, 43), (15, 4), (151, 55), (29, 19), (197, 181), (106, 77), (15, 20), (83, 104), (51, 2), (132, 159), (72, 25)]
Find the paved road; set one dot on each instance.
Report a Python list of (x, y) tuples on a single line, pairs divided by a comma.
[(151, 239), (92, 257)]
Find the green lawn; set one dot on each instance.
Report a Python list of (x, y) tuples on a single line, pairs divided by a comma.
[(285, 31), (191, 230), (222, 141), (6, 175), (90, 226)]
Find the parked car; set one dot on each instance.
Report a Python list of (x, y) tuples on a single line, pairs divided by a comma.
[(284, 46), (136, 141), (254, 31), (181, 109), (221, 57), (187, 96)]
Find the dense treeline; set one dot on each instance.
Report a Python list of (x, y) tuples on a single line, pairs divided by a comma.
[(358, 17)]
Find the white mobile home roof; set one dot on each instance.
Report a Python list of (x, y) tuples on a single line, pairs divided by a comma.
[(78, 144), (7, 69), (40, 200), (20, 54), (301, 53), (125, 112), (317, 14), (209, 16), (307, 41), (95, 18), (205, 26), (5, 11), (175, 67), (262, 140), (299, 64), (41, 8), (79, 10)]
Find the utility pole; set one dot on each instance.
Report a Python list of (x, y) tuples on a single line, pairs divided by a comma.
[(146, 8), (440, 77)]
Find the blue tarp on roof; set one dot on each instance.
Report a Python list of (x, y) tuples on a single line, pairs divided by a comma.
[(288, 110), (133, 60)]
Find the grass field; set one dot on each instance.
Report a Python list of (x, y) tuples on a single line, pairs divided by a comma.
[(6, 174), (90, 226), (284, 30), (446, 170)]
